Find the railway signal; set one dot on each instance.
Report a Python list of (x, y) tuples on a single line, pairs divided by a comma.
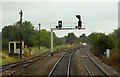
[(79, 22), (79, 17), (60, 24), (59, 27)]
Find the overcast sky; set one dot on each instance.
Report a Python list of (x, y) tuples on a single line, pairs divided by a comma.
[(96, 16)]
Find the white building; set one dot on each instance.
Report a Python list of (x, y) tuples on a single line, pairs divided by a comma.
[(14, 47)]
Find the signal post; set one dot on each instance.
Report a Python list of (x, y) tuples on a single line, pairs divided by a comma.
[(59, 27)]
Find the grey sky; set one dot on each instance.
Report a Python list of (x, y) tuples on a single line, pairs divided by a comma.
[(96, 16)]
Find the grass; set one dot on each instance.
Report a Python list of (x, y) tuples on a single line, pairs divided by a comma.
[(113, 61), (61, 47), (8, 59), (30, 52), (0, 61), (4, 58)]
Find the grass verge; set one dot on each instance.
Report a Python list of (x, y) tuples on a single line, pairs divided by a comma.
[(29, 52)]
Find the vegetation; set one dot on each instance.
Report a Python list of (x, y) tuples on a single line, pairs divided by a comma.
[(116, 37), (29, 35), (100, 42), (83, 38), (71, 38), (33, 51)]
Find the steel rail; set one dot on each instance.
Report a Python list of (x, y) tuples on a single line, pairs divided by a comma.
[(89, 73), (69, 64), (99, 67), (50, 73), (13, 64), (96, 64), (58, 61), (27, 61)]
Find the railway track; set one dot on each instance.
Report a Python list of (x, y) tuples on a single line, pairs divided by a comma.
[(62, 66), (21, 64), (27, 61), (13, 68), (92, 68)]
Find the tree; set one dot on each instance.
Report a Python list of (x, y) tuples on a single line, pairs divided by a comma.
[(45, 39), (29, 35), (27, 32), (116, 37), (56, 41), (0, 41), (8, 34), (103, 43), (100, 42), (71, 38), (83, 38), (94, 36), (63, 40), (12, 33)]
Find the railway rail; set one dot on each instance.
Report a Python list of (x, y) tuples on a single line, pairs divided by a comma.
[(10, 67), (62, 66), (92, 68), (23, 63), (13, 68), (27, 61)]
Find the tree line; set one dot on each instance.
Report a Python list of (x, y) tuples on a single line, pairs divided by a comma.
[(99, 42), (29, 34)]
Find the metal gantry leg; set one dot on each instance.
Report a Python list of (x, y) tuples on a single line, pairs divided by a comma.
[(51, 42)]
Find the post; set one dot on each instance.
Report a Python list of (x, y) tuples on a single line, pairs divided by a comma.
[(51, 42), (21, 13), (107, 53), (59, 27), (39, 35)]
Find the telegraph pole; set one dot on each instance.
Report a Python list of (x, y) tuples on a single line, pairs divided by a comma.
[(21, 13), (39, 35)]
